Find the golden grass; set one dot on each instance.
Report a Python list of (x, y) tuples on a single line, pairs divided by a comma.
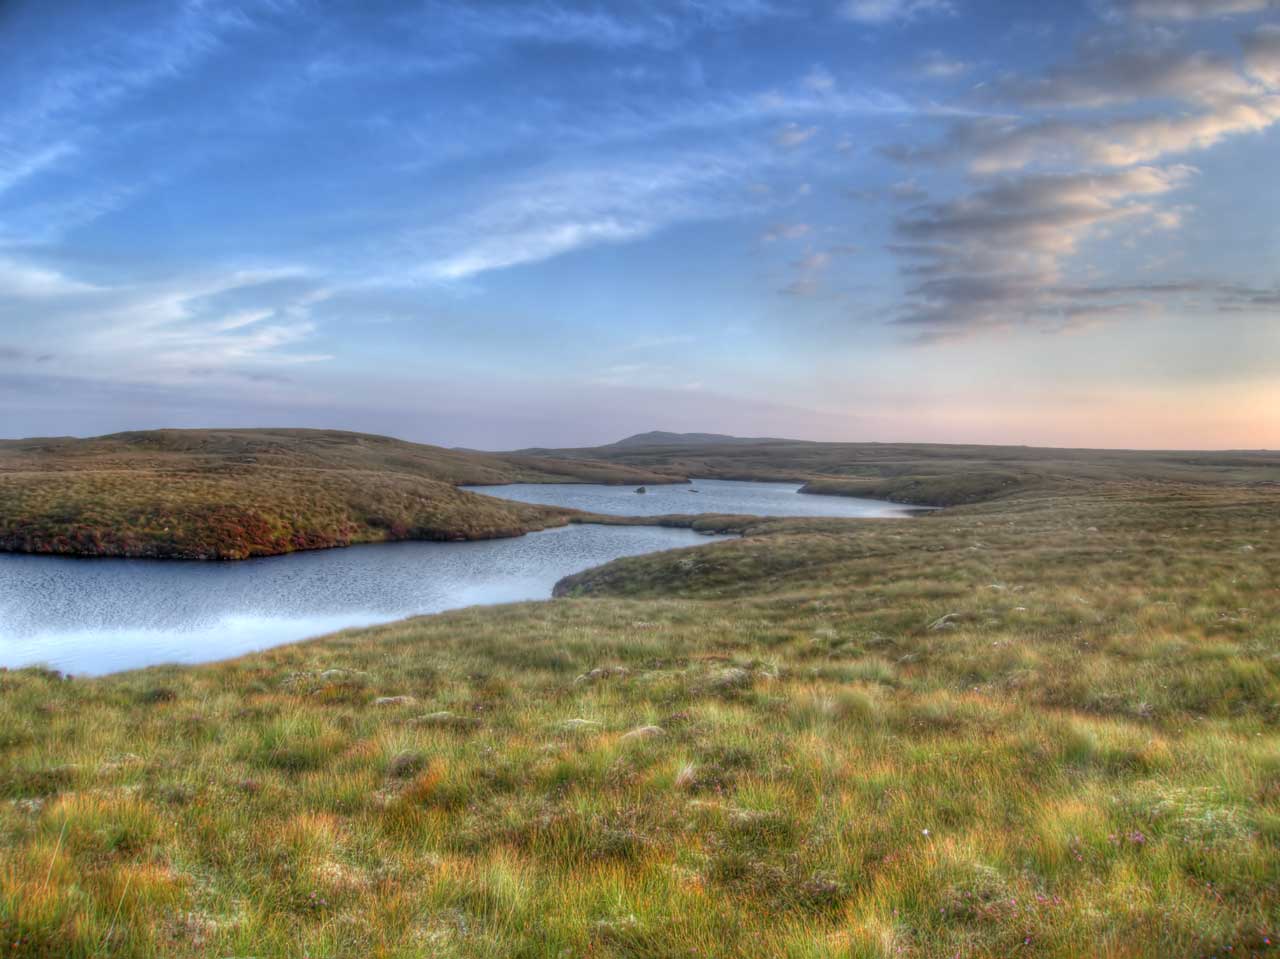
[(1045, 726)]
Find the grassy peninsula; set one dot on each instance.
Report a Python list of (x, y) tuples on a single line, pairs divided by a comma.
[(232, 494), (1041, 725)]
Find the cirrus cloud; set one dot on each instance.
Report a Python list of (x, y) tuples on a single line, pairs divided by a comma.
[(1195, 9), (893, 11)]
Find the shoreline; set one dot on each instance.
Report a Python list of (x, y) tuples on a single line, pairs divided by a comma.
[(558, 516)]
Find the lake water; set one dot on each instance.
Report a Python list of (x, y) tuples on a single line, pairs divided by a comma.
[(712, 496), (92, 616)]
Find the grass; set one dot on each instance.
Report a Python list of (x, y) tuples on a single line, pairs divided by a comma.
[(232, 494), (932, 474), (1046, 725)]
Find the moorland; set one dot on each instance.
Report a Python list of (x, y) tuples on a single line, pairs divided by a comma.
[(1040, 722), (234, 494)]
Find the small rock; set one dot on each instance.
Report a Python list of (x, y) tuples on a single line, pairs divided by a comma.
[(1246, 548), (394, 701), (442, 716), (445, 718), (732, 678), (643, 732), (602, 672), (406, 764), (577, 725), (337, 673)]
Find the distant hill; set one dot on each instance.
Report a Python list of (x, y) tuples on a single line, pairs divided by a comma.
[(663, 438)]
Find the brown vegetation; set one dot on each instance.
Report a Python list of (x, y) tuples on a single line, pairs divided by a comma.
[(231, 494)]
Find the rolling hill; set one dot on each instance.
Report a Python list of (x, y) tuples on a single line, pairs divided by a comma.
[(233, 494)]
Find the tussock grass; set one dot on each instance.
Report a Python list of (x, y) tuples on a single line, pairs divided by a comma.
[(1045, 726)]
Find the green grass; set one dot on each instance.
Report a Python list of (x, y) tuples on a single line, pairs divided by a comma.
[(1040, 726)]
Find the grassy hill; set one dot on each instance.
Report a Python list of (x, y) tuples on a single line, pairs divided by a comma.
[(1040, 726), (230, 494)]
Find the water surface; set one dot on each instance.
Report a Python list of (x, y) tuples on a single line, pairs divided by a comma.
[(711, 496), (92, 616)]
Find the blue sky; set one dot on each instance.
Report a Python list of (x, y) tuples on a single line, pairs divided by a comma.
[(557, 222)]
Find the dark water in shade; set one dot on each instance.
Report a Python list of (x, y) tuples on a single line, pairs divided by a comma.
[(713, 496), (92, 616)]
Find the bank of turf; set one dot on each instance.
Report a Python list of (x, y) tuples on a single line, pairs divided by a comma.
[(1042, 726)]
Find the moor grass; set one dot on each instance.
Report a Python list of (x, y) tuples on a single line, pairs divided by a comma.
[(929, 474), (1045, 725), (232, 494)]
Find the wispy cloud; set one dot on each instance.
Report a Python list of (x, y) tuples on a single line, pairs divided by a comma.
[(17, 164), (1105, 78), (994, 257), (786, 231), (893, 11), (1216, 100), (553, 213), (236, 322), (32, 282), (809, 272), (625, 23), (793, 135), (55, 118), (938, 66), (1194, 9), (1092, 141)]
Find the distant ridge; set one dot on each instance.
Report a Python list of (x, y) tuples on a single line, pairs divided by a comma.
[(663, 438)]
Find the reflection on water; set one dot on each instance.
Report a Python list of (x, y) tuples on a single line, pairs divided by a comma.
[(711, 496), (102, 615)]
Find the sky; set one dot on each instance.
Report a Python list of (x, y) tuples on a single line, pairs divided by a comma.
[(555, 223)]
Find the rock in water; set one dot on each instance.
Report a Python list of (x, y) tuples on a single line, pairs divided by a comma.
[(641, 489)]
